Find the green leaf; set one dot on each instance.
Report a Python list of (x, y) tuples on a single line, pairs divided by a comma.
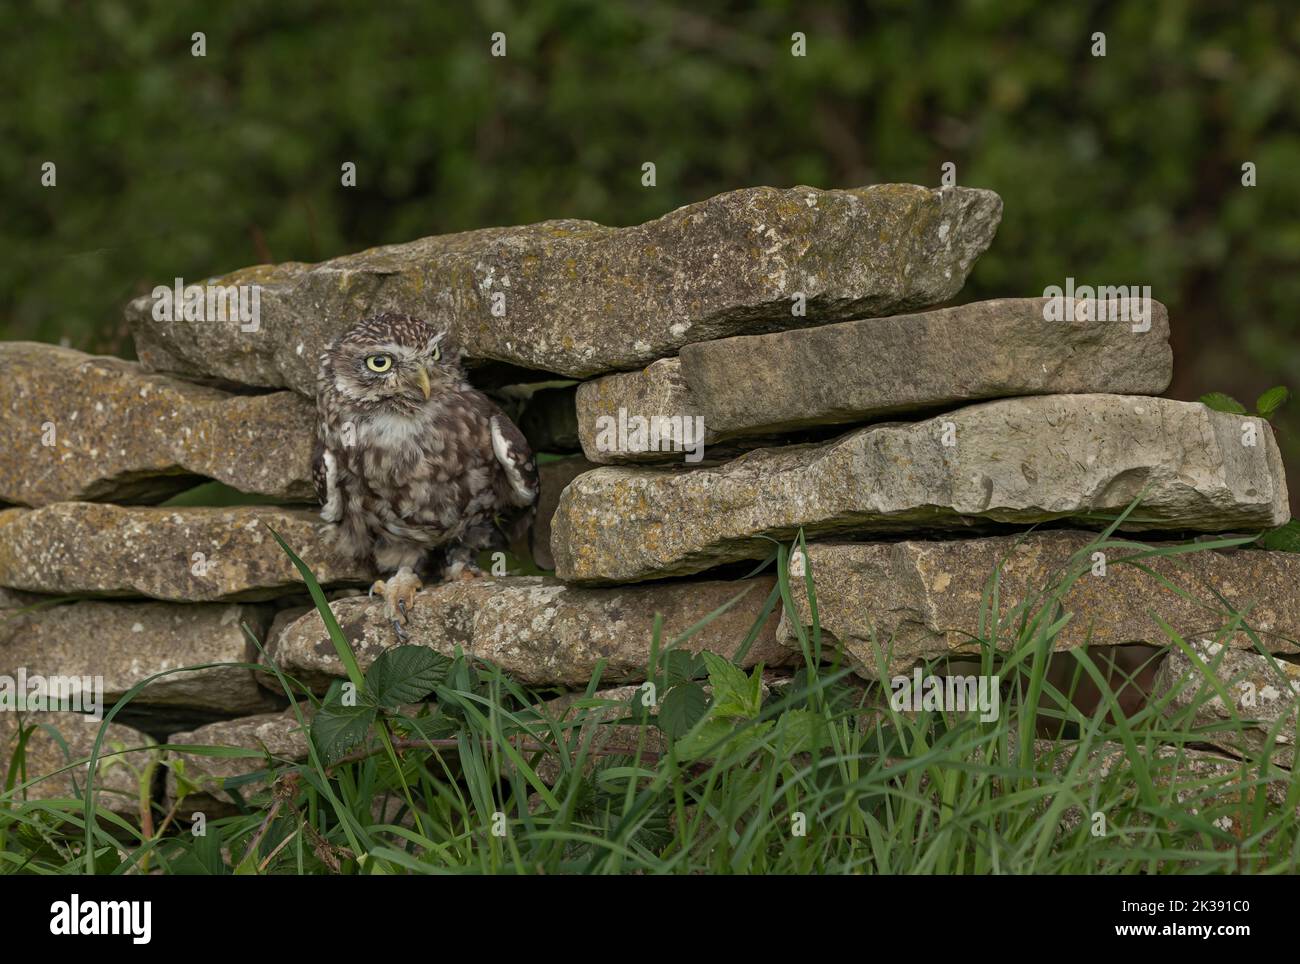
[(735, 695), (248, 866), (336, 728), (710, 738), (1223, 403), (425, 727), (1272, 400), (405, 674), (800, 729), (718, 738), (203, 856), (1285, 538), (681, 709), (636, 706), (682, 666)]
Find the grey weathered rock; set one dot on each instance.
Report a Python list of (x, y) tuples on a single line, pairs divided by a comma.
[(279, 622), (277, 736), (924, 598), (860, 370), (81, 427), (554, 476), (184, 554), (1263, 692), (126, 643), (125, 755), (580, 298), (540, 631), (1023, 460)]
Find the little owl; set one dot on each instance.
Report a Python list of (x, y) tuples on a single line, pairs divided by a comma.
[(414, 468)]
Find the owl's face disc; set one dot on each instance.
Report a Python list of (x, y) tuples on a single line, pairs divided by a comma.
[(393, 359)]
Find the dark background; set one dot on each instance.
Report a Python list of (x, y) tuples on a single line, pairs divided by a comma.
[(1123, 169)]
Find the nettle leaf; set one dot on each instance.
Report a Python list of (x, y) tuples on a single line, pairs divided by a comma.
[(709, 738), (734, 693), (336, 728), (681, 709), (1285, 538), (1272, 400), (405, 674), (1223, 403), (718, 738), (800, 729)]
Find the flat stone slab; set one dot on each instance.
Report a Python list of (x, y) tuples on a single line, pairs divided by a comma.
[(125, 643), (922, 599), (180, 554), (861, 370), (1263, 693), (539, 631), (1023, 460), (117, 786), (578, 298), (79, 427)]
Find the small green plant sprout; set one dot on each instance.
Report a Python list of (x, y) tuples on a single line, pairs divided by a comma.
[(1265, 406)]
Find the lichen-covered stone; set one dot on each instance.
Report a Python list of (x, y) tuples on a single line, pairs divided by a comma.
[(79, 427), (659, 389), (182, 554), (866, 369), (118, 783), (1263, 691), (126, 643), (579, 298), (540, 631), (1023, 460), (923, 599)]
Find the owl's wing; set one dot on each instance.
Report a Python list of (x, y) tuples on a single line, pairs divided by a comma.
[(325, 476), (512, 451)]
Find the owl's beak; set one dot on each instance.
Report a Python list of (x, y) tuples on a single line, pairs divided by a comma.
[(422, 377)]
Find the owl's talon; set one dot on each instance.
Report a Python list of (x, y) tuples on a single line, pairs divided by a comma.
[(400, 631), (399, 592)]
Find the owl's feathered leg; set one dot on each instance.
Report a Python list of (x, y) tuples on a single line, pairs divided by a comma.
[(460, 563)]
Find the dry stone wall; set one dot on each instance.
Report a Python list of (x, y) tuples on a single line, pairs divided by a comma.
[(760, 365)]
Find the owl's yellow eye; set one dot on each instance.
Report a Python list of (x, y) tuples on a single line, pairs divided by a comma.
[(437, 352), (379, 363)]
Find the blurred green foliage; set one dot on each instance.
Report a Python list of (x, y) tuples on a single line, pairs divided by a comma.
[(1122, 169)]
